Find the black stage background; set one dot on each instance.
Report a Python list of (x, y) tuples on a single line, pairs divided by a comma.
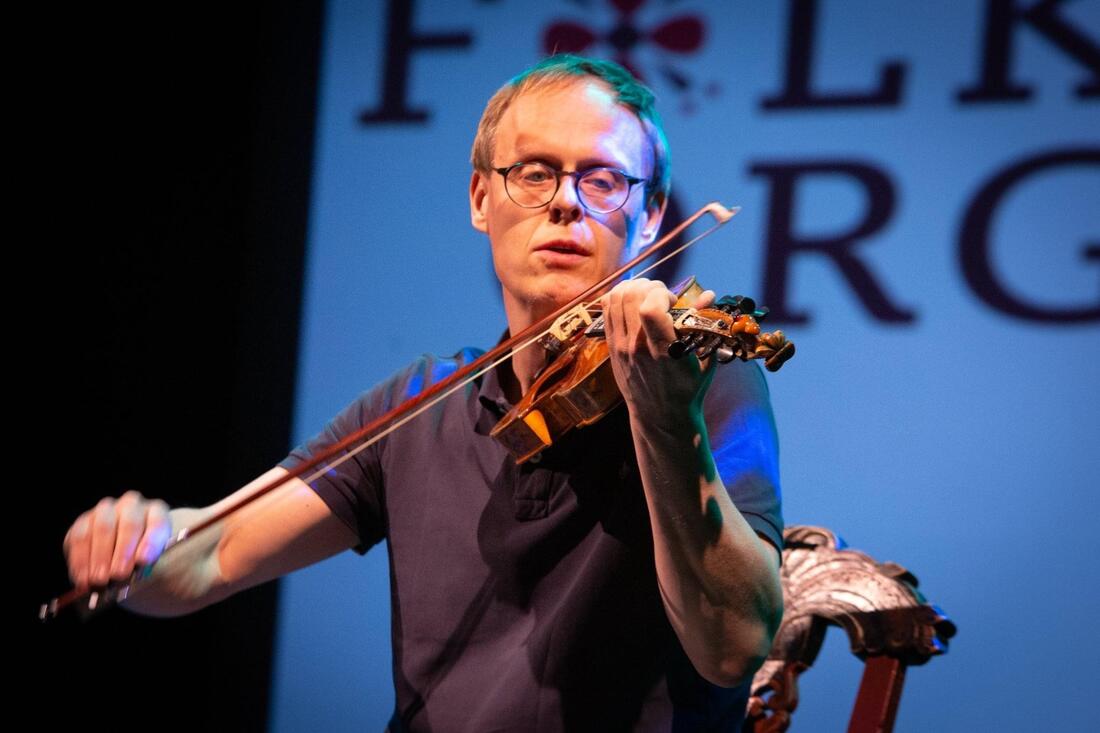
[(164, 163)]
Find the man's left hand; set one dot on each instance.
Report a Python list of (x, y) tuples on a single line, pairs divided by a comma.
[(639, 330)]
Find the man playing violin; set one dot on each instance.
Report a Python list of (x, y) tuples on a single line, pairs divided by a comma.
[(627, 579)]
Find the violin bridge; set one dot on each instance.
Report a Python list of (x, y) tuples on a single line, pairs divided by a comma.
[(565, 328)]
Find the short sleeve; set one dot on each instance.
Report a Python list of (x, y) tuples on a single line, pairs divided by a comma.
[(354, 490), (745, 445)]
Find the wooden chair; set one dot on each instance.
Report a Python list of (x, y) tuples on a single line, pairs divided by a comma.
[(888, 622)]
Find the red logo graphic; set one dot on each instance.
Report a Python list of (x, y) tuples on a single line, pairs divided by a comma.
[(682, 34)]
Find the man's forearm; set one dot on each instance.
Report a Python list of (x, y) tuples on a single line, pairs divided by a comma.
[(719, 581)]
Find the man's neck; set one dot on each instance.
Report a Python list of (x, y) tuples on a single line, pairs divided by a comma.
[(527, 363)]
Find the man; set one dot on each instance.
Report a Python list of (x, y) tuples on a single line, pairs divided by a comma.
[(627, 579)]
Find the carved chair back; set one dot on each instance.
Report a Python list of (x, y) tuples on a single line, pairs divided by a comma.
[(889, 625)]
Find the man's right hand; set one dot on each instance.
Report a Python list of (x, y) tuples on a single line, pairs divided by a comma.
[(109, 540), (282, 531)]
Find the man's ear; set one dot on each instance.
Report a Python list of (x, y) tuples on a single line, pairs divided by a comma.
[(479, 202), (655, 212)]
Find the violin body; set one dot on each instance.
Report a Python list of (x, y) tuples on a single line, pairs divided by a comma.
[(576, 389)]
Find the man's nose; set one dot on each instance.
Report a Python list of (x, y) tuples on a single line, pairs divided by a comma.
[(566, 205)]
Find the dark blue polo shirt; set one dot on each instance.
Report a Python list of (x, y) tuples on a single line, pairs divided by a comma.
[(525, 597)]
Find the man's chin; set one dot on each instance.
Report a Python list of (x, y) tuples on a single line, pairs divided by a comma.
[(552, 293), (562, 293)]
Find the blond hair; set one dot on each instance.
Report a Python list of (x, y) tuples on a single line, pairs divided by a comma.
[(567, 68)]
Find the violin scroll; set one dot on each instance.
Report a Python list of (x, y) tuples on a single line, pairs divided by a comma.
[(729, 329)]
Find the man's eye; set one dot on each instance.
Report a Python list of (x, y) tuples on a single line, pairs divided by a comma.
[(535, 176), (599, 182)]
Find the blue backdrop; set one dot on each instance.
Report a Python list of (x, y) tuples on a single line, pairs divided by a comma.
[(921, 193)]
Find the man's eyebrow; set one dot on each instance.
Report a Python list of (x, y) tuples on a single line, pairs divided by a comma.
[(534, 155), (587, 163)]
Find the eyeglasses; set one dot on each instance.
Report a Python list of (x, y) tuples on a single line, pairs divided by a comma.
[(601, 190)]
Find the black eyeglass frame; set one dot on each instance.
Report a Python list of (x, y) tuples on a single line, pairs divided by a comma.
[(631, 182)]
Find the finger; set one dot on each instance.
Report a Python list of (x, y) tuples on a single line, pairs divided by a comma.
[(605, 311), (645, 299), (613, 317), (656, 323), (130, 510), (158, 530), (104, 526), (77, 545), (705, 300), (633, 297)]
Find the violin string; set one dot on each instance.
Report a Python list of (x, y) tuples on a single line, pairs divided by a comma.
[(352, 452)]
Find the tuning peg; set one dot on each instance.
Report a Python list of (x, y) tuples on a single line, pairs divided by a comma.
[(727, 304), (724, 354), (707, 346), (736, 305), (677, 349)]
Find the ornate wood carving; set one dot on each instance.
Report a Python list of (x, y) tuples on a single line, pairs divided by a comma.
[(877, 604)]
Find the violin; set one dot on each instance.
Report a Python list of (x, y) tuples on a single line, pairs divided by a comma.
[(584, 387)]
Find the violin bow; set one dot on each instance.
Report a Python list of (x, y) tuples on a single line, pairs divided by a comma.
[(372, 432)]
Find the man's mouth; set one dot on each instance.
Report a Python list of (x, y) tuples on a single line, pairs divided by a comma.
[(563, 246)]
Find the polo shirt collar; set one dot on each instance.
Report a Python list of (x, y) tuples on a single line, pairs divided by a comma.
[(490, 395)]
